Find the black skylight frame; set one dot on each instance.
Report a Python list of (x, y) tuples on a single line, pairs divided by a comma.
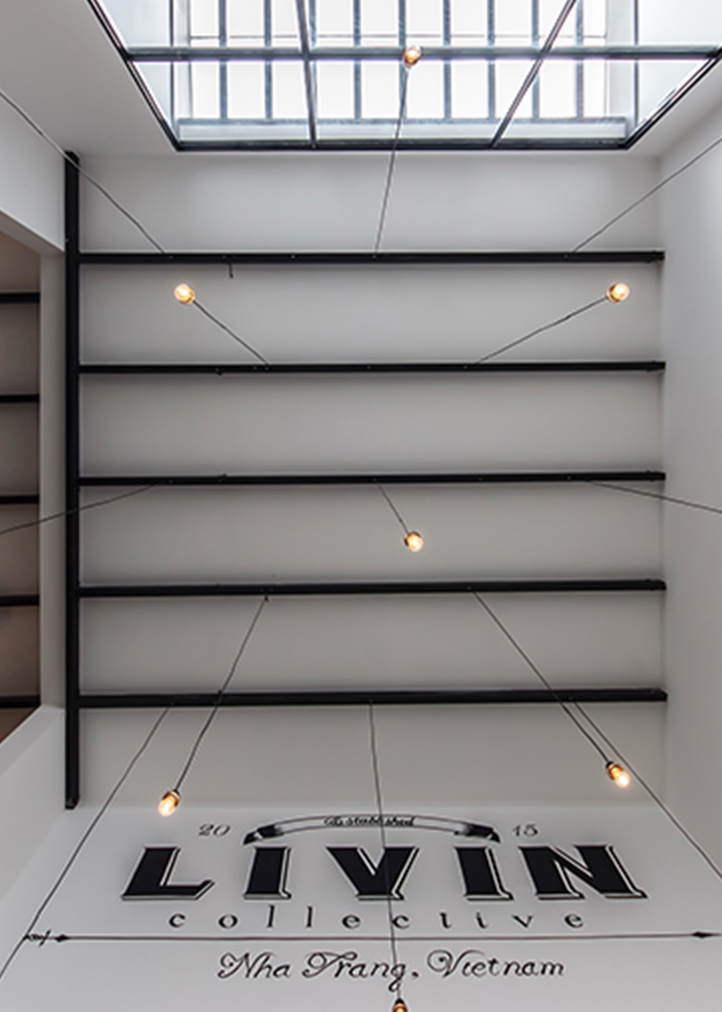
[(309, 56)]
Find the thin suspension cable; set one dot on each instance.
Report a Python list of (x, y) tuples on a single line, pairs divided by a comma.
[(231, 333), (389, 500), (81, 843), (382, 830), (650, 193), (541, 330), (542, 678), (86, 175), (533, 71), (709, 860), (77, 509), (615, 750), (123, 210), (392, 162), (221, 692), (690, 503)]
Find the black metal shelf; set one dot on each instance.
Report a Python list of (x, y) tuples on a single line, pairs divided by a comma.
[(19, 398), (32, 499), (19, 600), (362, 697), (354, 257), (76, 260), (19, 298), (340, 368), (19, 702), (322, 588), (396, 478)]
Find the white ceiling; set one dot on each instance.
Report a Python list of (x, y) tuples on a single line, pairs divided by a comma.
[(57, 62)]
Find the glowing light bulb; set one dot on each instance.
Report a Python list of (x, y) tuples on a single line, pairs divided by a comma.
[(618, 774), (184, 294), (168, 803), (413, 541), (400, 1006), (412, 55), (617, 292)]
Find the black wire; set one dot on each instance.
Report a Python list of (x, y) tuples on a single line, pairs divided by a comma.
[(656, 798), (81, 843), (660, 495), (231, 333), (86, 175), (382, 830), (395, 512), (392, 162), (557, 698), (541, 330), (77, 509), (608, 742), (649, 193), (221, 692)]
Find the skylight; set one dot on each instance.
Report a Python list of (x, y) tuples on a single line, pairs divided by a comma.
[(328, 73)]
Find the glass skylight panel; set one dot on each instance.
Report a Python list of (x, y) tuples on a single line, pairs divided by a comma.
[(332, 23), (246, 73), (469, 22), (513, 23), (245, 24)]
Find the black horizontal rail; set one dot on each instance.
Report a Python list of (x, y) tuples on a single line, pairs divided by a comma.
[(19, 600), (627, 256), (362, 697), (379, 587), (19, 398), (19, 702), (31, 499), (420, 478), (15, 298), (319, 368), (230, 54)]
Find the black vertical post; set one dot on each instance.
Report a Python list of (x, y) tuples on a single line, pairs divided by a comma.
[(72, 486)]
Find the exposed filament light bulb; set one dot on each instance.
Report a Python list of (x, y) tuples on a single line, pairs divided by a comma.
[(618, 774), (185, 294), (413, 541), (168, 803), (617, 292), (412, 55), (400, 1006)]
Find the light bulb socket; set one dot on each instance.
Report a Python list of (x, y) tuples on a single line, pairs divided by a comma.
[(400, 1006), (617, 292), (169, 802), (184, 294), (412, 55)]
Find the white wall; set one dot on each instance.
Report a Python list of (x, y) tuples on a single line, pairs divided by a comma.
[(332, 201), (31, 790), (692, 311), (31, 185), (208, 425)]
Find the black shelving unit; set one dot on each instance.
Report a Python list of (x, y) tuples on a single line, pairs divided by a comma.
[(77, 370)]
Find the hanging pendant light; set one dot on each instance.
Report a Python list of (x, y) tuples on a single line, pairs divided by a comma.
[(618, 774), (400, 1006), (184, 294), (168, 803), (618, 292), (412, 55), (414, 541)]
